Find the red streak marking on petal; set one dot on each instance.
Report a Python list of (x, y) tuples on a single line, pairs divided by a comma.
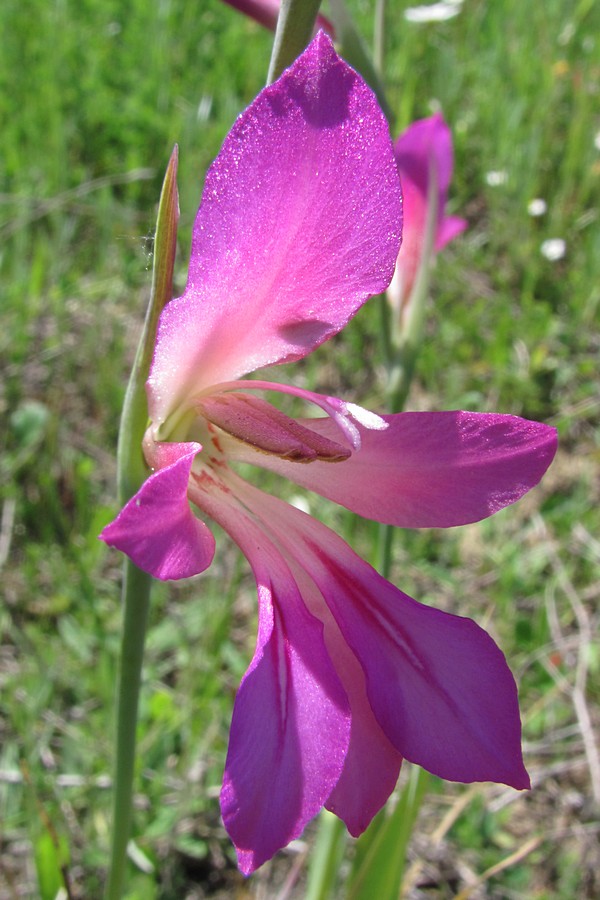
[(204, 480), (214, 436), (283, 664)]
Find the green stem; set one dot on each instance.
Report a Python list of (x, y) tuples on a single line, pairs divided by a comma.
[(353, 49), (295, 26), (136, 603), (379, 37), (400, 375), (380, 853), (385, 327), (384, 547), (400, 372)]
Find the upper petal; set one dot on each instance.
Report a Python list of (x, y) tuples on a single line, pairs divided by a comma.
[(157, 528), (267, 429), (299, 223), (426, 469)]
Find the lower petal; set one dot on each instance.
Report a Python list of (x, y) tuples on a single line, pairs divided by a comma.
[(286, 749), (291, 721), (372, 764), (438, 685)]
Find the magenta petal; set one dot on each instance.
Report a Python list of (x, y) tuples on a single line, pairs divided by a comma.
[(157, 529), (299, 224), (267, 429), (426, 469), (426, 145), (291, 724), (438, 685), (425, 159), (450, 228), (286, 747), (372, 764)]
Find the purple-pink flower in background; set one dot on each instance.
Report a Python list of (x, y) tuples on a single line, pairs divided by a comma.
[(299, 224), (266, 12), (425, 160)]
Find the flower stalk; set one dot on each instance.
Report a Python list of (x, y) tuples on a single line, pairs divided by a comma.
[(132, 470), (354, 50), (294, 30), (379, 37)]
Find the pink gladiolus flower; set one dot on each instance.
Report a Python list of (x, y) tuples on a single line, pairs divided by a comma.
[(266, 13), (299, 224), (424, 156)]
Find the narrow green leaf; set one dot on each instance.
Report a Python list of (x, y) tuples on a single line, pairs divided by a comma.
[(381, 853), (326, 857), (49, 860)]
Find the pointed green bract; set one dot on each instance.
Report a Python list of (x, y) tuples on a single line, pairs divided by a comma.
[(131, 467)]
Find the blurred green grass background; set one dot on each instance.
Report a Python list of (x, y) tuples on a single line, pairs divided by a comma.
[(92, 97)]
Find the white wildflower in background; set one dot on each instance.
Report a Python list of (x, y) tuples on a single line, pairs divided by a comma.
[(496, 178), (554, 249), (567, 34), (537, 207), (433, 12)]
